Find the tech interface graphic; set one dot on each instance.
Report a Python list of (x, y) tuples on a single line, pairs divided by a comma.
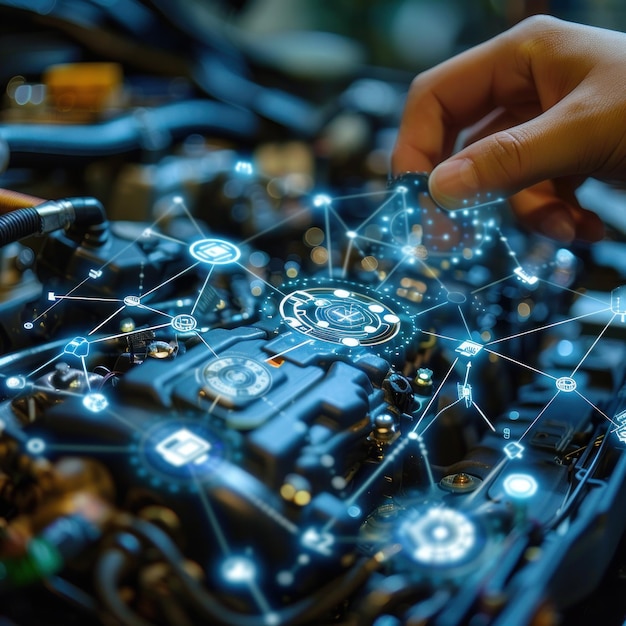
[(426, 409)]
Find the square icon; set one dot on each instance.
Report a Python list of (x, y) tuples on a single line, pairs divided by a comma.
[(183, 447)]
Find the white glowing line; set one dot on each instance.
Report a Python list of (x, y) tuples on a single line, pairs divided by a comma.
[(208, 509), (82, 282), (275, 356), (545, 408), (593, 345), (469, 334), (85, 298), (130, 332), (91, 332), (274, 226), (202, 339), (169, 280), (243, 267), (206, 282), (434, 396), (540, 328), (484, 417), (508, 358)]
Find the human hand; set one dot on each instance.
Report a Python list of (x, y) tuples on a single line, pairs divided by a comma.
[(547, 101)]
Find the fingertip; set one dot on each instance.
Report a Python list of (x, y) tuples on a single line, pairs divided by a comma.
[(453, 182)]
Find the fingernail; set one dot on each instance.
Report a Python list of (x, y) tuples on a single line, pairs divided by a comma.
[(453, 182), (558, 226)]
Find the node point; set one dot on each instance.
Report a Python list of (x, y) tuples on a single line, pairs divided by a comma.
[(321, 200), (95, 402), (520, 486), (35, 445), (566, 384), (214, 251)]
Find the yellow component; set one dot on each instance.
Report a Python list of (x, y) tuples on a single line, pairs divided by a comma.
[(83, 86), (288, 491), (302, 497)]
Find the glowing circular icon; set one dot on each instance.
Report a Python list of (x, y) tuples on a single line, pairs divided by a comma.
[(439, 536), (35, 445), (214, 251), (177, 451), (339, 315), (95, 402), (566, 384), (520, 486), (15, 382), (132, 300), (28, 325), (184, 323), (236, 377)]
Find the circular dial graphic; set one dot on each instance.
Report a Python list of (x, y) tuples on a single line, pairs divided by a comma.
[(339, 315), (236, 377), (439, 537)]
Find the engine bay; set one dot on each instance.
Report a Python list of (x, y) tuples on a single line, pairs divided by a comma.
[(245, 390)]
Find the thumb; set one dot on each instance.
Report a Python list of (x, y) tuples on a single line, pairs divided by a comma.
[(508, 161)]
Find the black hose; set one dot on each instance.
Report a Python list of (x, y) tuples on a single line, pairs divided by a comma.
[(142, 129), (307, 610), (18, 224), (109, 571)]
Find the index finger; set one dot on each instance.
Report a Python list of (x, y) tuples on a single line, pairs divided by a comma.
[(458, 93)]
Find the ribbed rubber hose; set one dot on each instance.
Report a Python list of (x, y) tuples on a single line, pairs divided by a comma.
[(18, 224)]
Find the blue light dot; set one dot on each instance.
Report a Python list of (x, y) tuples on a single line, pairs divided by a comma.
[(354, 511)]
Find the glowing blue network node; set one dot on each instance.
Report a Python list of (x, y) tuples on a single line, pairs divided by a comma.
[(184, 323), (525, 276), (15, 382), (351, 234), (95, 402), (339, 315), (566, 384), (321, 200), (35, 445), (320, 542), (439, 536), (244, 167), (95, 273), (468, 348), (456, 297), (79, 346), (618, 301), (28, 325), (132, 300), (513, 450), (520, 486), (214, 251), (238, 569), (183, 447)]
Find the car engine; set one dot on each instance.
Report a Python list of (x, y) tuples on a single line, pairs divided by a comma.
[(247, 379)]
